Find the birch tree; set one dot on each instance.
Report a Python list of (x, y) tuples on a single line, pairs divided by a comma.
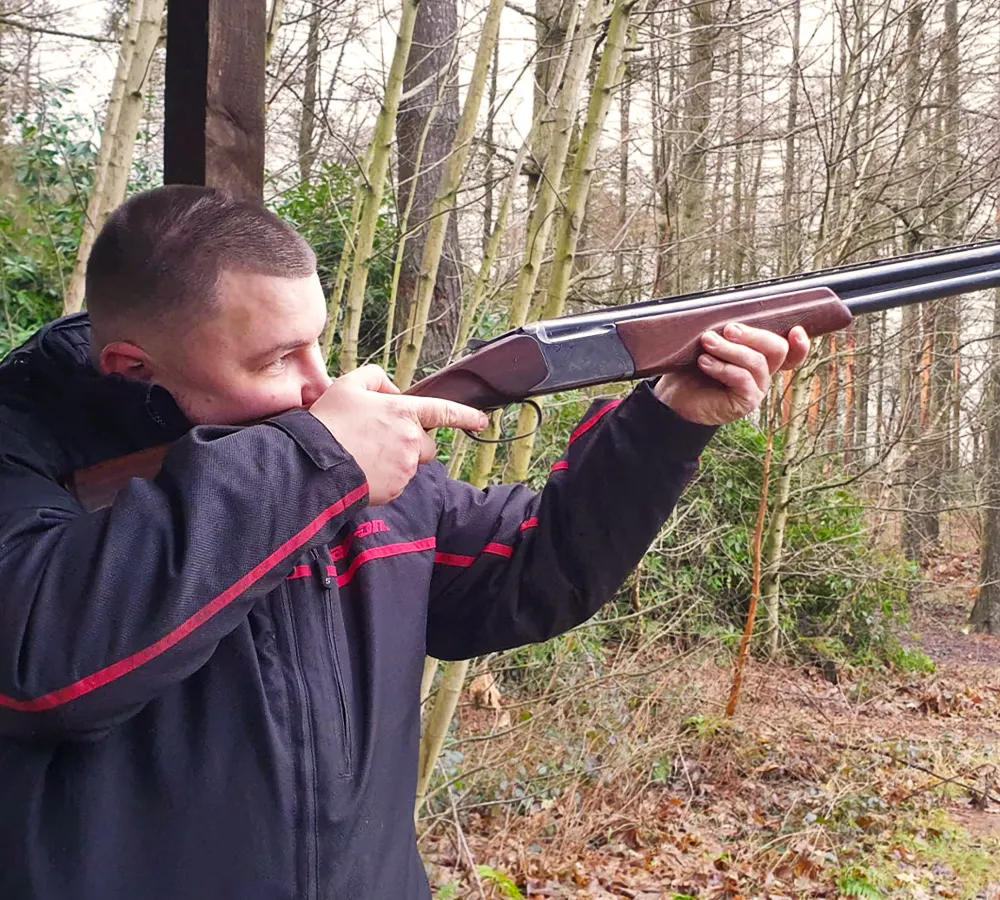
[(121, 123)]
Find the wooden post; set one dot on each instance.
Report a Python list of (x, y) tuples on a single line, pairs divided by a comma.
[(214, 95)]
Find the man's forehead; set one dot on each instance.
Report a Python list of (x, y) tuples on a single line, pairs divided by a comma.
[(268, 300), (258, 312)]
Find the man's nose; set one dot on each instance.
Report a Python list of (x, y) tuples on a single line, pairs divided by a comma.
[(316, 380)]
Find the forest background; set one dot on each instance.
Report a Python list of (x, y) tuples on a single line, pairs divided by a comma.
[(465, 166)]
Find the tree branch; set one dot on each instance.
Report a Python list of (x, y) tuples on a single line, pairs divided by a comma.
[(35, 29)]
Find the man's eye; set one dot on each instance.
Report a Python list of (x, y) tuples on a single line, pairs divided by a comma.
[(276, 365)]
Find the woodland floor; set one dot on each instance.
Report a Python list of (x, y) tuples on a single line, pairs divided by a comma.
[(878, 786)]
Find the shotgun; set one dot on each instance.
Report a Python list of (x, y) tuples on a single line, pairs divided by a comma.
[(649, 338)]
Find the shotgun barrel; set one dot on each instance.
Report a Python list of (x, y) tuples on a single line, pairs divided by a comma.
[(854, 284), (658, 336)]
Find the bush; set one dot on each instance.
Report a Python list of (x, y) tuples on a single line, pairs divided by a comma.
[(45, 179), (697, 576), (833, 582)]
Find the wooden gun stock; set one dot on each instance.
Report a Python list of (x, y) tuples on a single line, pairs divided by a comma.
[(97, 486)]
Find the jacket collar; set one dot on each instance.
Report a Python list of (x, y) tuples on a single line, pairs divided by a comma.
[(54, 368)]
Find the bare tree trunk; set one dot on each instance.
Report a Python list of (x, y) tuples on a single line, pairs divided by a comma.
[(555, 21), (609, 75), (97, 204), (738, 238), (915, 539), (307, 116), (862, 380), (274, 15), (791, 245), (694, 155), (624, 101), (4, 77), (774, 539), (880, 425), (430, 81), (549, 185), (850, 400), (986, 611), (491, 151), (442, 212), (750, 216), (661, 202), (942, 316), (373, 185), (120, 161)]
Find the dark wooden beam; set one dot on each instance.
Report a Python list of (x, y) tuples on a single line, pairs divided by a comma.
[(214, 95)]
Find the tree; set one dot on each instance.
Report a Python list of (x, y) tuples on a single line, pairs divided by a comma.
[(985, 615), (425, 126), (141, 35)]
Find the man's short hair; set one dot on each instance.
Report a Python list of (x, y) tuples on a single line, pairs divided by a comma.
[(158, 258)]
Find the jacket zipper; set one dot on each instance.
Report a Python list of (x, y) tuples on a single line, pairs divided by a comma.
[(309, 800), (334, 619)]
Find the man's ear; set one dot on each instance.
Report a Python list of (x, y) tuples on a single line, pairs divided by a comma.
[(126, 359)]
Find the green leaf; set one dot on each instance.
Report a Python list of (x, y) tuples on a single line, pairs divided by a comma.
[(507, 887)]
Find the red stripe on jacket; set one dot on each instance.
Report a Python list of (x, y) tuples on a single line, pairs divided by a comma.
[(584, 427), (382, 553), (494, 549), (123, 667)]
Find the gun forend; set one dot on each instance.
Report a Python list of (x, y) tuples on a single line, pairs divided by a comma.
[(660, 344)]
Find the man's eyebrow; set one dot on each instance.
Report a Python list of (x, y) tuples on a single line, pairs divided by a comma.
[(288, 346), (280, 349)]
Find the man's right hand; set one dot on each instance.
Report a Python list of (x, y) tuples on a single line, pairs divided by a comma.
[(386, 431)]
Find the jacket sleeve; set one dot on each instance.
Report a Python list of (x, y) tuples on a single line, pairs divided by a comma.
[(101, 611), (514, 567)]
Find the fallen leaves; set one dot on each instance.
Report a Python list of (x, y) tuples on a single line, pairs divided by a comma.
[(815, 790)]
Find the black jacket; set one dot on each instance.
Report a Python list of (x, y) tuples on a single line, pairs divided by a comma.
[(210, 689)]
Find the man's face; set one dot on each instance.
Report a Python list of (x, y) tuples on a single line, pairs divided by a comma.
[(256, 356)]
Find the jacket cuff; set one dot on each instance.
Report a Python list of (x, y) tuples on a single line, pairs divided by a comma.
[(676, 438), (315, 440)]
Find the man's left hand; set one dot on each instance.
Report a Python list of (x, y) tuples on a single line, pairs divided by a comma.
[(733, 375)]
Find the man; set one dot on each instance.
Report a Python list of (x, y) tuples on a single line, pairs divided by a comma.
[(210, 689)]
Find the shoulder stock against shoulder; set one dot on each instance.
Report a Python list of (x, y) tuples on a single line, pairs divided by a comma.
[(96, 486)]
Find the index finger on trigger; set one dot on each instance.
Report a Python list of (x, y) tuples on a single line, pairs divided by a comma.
[(434, 413)]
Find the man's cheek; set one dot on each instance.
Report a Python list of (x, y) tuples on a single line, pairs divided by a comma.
[(264, 402)]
